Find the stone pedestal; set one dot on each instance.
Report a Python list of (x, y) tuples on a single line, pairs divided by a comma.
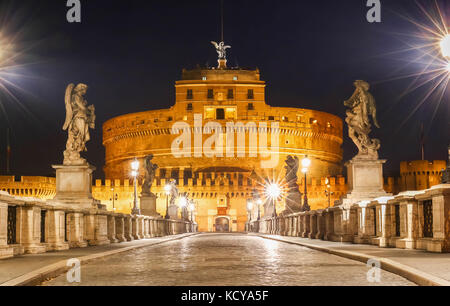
[(269, 209), (148, 205), (74, 186), (365, 181), (173, 212)]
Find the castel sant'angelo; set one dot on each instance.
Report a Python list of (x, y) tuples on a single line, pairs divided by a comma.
[(191, 143), (222, 142)]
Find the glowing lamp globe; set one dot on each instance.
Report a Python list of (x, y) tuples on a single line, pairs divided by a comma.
[(274, 191), (249, 205), (135, 165), (306, 162), (445, 46), (134, 173), (167, 189), (183, 202)]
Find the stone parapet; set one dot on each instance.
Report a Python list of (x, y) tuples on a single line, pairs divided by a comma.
[(410, 220), (30, 225)]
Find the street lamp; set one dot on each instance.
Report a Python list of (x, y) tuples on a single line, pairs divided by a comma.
[(134, 174), (167, 190), (249, 209), (328, 192), (306, 163), (113, 198), (259, 203), (192, 208), (274, 192), (445, 46), (445, 49)]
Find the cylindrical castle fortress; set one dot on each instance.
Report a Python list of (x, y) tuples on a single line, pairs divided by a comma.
[(182, 137)]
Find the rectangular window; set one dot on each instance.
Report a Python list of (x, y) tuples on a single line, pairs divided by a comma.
[(250, 94), (220, 114), (250, 107), (230, 94), (271, 118), (189, 107), (209, 113), (230, 113), (210, 94), (190, 94)]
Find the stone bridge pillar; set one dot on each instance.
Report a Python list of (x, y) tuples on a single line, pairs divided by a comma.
[(76, 230), (56, 231), (120, 228)]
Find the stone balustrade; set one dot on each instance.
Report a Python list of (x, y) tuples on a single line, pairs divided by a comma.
[(410, 220), (30, 226)]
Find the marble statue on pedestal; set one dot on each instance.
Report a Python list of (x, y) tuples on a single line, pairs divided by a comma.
[(362, 106), (365, 170), (150, 173), (148, 198), (74, 177), (294, 197), (173, 208), (79, 119)]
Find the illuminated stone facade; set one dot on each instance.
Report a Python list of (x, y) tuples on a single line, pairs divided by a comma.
[(420, 174), (29, 186), (221, 185)]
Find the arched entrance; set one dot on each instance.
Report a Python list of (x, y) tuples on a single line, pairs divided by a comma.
[(222, 224)]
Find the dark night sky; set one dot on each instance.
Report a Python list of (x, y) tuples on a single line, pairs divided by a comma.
[(131, 52)]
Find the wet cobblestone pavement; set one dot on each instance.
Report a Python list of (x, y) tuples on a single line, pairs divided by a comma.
[(226, 260)]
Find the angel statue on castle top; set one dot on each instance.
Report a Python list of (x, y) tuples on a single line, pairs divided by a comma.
[(79, 118), (221, 49)]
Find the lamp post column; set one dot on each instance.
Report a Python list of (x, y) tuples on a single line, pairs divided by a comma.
[(134, 173)]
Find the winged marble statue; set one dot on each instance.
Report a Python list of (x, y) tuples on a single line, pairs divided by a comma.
[(173, 192), (79, 119), (362, 106), (221, 49)]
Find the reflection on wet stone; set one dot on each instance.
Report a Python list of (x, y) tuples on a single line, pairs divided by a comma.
[(227, 260)]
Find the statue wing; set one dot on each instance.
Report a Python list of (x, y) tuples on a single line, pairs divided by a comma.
[(215, 44), (227, 47), (68, 101)]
